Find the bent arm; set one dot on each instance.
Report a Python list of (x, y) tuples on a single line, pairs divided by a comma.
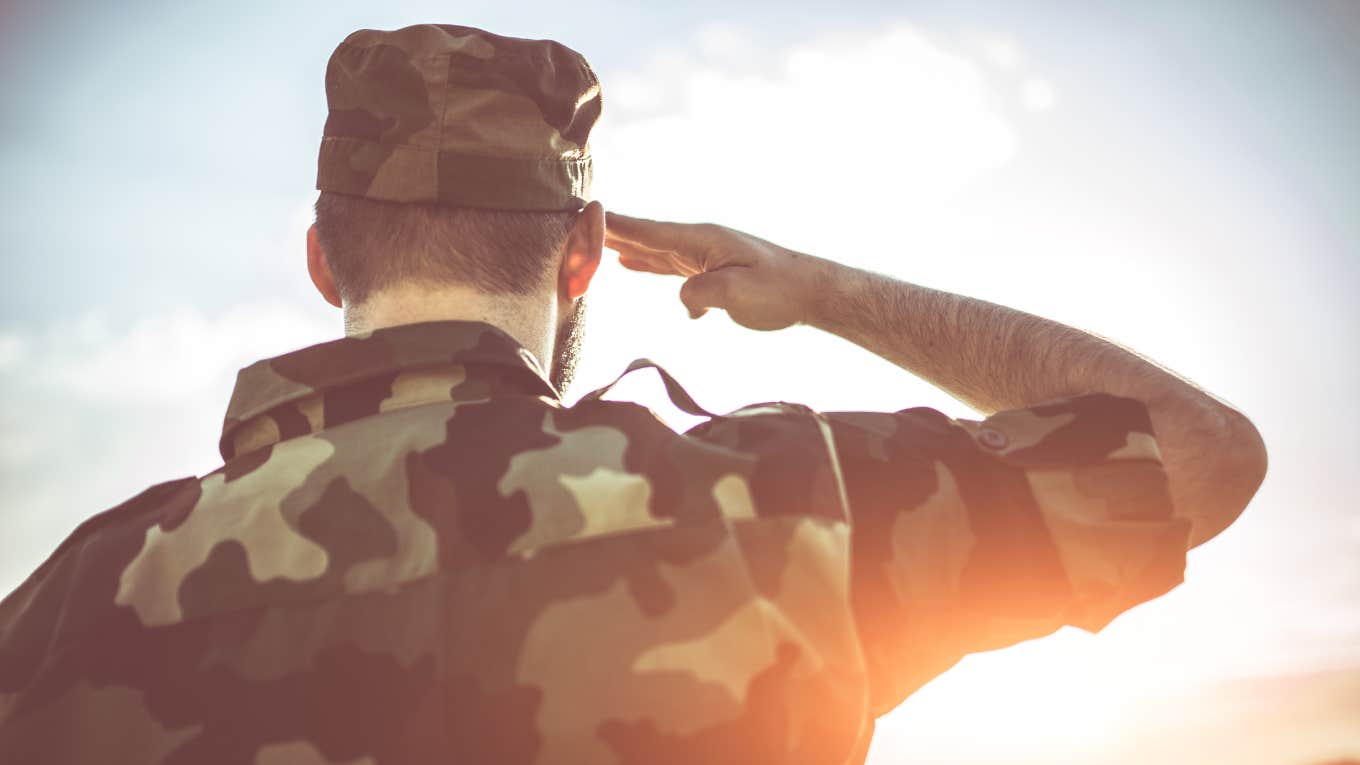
[(995, 358), (991, 357)]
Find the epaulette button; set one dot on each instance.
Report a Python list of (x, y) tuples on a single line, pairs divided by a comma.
[(992, 438)]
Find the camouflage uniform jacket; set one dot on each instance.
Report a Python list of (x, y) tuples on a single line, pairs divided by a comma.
[(415, 553)]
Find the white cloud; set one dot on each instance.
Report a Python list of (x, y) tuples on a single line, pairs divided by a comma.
[(847, 125), (729, 45), (1001, 52), (1038, 94), (173, 356)]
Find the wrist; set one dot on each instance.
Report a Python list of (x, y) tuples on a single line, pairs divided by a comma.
[(814, 284)]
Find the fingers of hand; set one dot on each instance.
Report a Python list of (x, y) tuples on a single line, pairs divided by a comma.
[(706, 290), (642, 258), (652, 233), (634, 263)]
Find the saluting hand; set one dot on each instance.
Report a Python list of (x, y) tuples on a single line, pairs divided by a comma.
[(760, 284)]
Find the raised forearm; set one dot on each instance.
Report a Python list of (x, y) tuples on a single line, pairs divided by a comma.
[(994, 358), (988, 356)]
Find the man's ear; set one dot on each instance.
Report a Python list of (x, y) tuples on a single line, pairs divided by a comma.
[(321, 270), (584, 248)]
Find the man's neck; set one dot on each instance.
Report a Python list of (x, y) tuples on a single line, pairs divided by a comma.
[(529, 319)]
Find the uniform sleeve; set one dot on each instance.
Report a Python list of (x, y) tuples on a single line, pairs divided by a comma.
[(969, 536)]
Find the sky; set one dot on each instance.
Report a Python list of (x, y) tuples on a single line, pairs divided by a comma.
[(1181, 178)]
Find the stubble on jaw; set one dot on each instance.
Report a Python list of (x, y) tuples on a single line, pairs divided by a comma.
[(567, 347)]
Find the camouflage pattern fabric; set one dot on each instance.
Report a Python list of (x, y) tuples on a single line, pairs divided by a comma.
[(415, 553), (460, 116)]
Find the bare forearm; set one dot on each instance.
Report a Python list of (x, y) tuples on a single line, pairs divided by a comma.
[(988, 356), (993, 358)]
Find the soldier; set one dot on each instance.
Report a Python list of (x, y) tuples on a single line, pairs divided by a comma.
[(415, 552)]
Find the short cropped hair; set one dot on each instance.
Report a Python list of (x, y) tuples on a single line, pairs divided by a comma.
[(371, 244)]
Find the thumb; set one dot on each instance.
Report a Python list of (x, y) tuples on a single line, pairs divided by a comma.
[(704, 291)]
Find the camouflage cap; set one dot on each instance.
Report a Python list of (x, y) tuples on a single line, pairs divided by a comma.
[(460, 116)]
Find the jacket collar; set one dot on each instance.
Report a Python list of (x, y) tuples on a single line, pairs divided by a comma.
[(335, 382)]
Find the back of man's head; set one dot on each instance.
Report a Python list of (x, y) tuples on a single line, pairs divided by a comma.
[(452, 156), (372, 244)]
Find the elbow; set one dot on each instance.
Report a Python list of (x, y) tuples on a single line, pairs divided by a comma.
[(1254, 461), (1247, 462), (1241, 470)]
